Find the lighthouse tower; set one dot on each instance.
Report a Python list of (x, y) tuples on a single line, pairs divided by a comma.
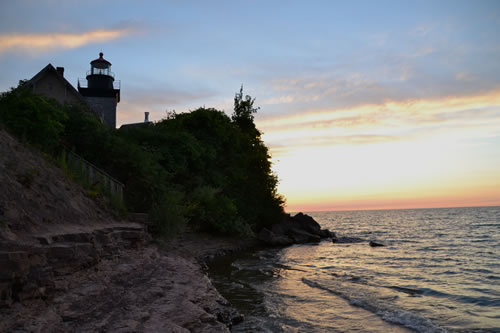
[(101, 90)]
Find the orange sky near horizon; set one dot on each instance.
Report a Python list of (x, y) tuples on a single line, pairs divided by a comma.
[(478, 199), (432, 153)]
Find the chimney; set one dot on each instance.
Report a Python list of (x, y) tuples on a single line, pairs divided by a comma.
[(146, 117), (60, 71)]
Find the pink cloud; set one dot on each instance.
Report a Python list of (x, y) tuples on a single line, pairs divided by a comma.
[(51, 41)]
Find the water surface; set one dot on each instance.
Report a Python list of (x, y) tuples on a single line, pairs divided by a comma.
[(438, 271)]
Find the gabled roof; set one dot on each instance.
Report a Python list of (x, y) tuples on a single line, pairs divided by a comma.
[(50, 69)]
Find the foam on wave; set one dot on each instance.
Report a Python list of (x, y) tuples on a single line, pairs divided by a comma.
[(386, 311)]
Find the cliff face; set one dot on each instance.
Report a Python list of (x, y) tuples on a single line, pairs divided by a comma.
[(35, 197), (48, 226), (67, 265)]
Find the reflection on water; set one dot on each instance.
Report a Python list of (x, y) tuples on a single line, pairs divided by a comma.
[(439, 271)]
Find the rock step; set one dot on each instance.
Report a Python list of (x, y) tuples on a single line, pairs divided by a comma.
[(87, 236), (30, 270)]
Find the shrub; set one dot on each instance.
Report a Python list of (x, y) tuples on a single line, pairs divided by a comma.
[(35, 119), (203, 166), (168, 214)]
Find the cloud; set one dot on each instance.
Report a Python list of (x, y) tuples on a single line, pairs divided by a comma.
[(465, 76), (51, 41), (422, 52), (330, 139), (398, 78), (326, 89), (423, 30), (289, 99), (447, 118)]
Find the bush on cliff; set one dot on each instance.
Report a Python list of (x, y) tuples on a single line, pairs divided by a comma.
[(202, 167), (32, 118), (221, 164)]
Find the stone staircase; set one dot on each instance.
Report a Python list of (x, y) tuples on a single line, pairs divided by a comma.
[(34, 268)]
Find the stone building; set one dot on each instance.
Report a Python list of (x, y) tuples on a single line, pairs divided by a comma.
[(101, 93), (50, 82)]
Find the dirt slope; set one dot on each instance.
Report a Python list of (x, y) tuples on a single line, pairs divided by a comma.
[(35, 197), (66, 265)]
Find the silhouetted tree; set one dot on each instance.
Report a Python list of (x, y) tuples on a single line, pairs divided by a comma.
[(243, 113)]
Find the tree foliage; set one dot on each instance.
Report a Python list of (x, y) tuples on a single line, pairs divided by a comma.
[(243, 113), (32, 118), (202, 168)]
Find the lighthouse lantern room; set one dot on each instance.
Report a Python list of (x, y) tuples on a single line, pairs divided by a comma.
[(101, 90)]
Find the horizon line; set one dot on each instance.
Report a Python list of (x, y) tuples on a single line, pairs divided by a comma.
[(382, 209)]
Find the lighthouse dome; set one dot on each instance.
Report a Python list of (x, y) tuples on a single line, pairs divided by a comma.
[(100, 60)]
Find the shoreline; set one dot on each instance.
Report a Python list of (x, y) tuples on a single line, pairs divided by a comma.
[(68, 264), (153, 288)]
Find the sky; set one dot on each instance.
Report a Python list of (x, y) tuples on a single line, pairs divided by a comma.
[(363, 104)]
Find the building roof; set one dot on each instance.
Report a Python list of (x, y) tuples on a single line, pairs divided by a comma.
[(50, 69), (136, 125), (100, 59)]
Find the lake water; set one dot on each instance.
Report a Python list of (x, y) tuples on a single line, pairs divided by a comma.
[(439, 271)]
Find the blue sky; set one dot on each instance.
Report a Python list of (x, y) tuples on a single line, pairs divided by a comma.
[(333, 79)]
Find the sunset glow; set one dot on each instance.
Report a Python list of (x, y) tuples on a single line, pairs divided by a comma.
[(396, 155), (363, 106)]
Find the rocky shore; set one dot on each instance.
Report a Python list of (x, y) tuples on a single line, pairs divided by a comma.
[(147, 289), (113, 279), (67, 264)]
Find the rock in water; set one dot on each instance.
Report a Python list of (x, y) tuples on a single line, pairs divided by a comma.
[(300, 236), (297, 229), (347, 240), (325, 233), (270, 238), (375, 244)]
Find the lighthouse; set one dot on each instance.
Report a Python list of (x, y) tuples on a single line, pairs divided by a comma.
[(100, 90)]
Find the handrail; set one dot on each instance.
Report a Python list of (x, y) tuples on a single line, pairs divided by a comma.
[(83, 83), (100, 71), (94, 174), (95, 167)]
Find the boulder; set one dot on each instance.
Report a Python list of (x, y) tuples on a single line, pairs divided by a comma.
[(325, 233), (307, 223), (300, 236), (268, 237), (297, 229)]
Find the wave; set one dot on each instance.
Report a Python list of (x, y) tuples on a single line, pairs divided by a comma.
[(409, 291), (277, 265), (386, 311)]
